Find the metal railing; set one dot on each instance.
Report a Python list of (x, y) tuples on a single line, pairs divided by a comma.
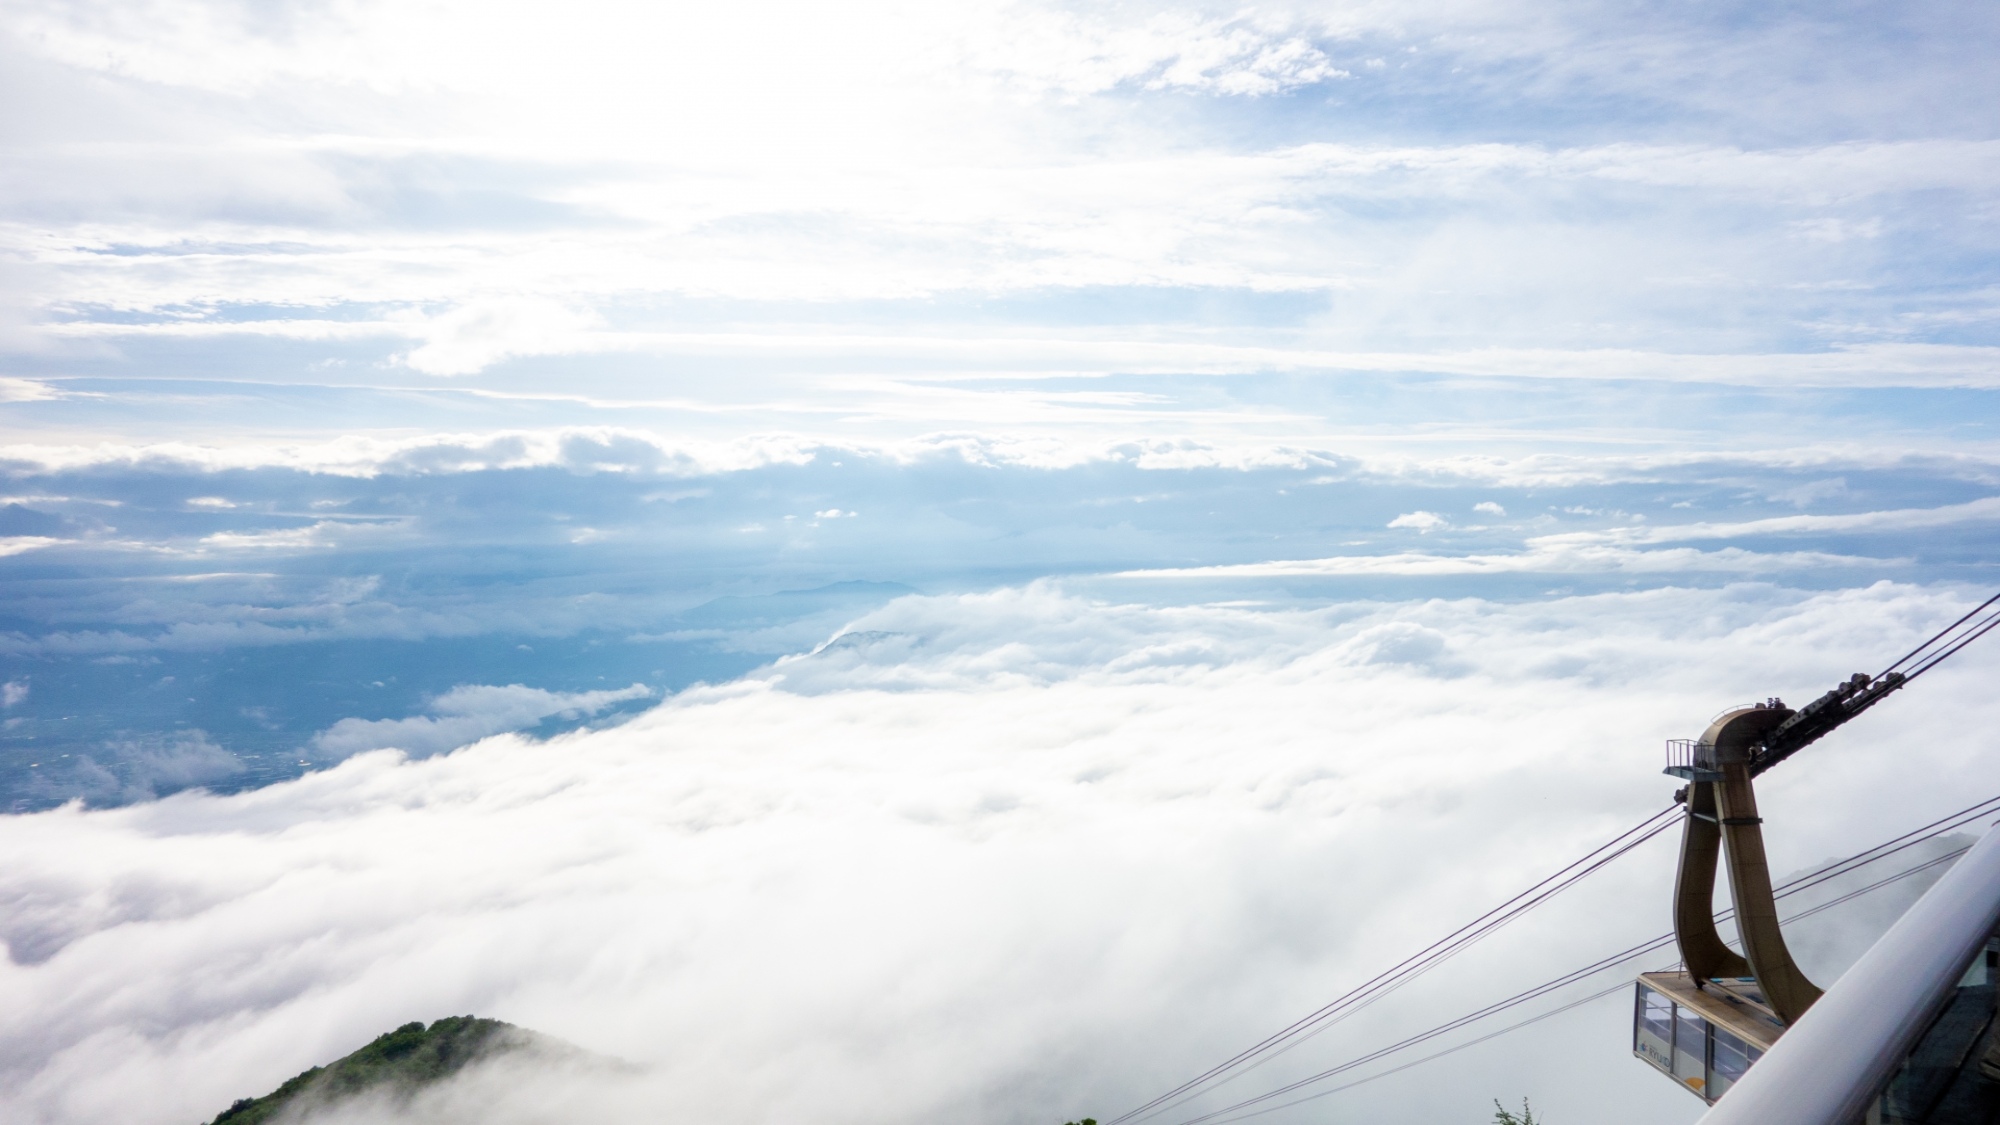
[(1691, 759), (1835, 1060)]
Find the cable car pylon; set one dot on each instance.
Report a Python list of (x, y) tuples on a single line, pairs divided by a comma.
[(1706, 1024), (1683, 1022)]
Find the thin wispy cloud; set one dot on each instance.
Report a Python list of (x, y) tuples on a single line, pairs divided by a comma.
[(453, 212)]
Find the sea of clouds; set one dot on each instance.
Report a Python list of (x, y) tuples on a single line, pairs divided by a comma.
[(893, 562), (1012, 856)]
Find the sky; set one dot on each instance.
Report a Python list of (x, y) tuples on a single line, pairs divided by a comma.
[(956, 560)]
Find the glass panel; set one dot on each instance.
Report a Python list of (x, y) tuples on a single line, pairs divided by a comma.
[(1691, 1050), (1731, 1055), (1728, 1058), (1975, 974), (1653, 1029), (1940, 1080)]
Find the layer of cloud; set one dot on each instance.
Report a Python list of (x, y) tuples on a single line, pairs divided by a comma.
[(473, 337), (367, 182), (1901, 519), (582, 449), (465, 340), (1614, 549), (184, 548), (1022, 857), (466, 714), (631, 450), (133, 768), (1564, 555)]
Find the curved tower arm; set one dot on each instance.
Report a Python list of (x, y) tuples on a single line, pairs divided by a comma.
[(1702, 949), (1722, 805)]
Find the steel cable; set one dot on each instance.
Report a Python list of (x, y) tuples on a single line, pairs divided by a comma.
[(1913, 653), (1599, 995), (1411, 967), (1933, 651), (1795, 886)]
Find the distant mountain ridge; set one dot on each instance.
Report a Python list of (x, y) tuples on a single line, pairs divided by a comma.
[(399, 1063)]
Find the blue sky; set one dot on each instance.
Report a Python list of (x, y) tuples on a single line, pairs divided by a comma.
[(387, 377)]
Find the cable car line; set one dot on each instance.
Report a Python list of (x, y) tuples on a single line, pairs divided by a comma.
[(1441, 950), (1408, 969), (1974, 632), (1829, 904), (1660, 943), (1419, 970), (1487, 923), (1798, 730), (1884, 849), (1859, 692), (1795, 886), (1452, 1050)]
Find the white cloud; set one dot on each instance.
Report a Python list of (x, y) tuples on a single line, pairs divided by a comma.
[(1582, 553), (466, 714), (1615, 550), (579, 448), (345, 172), (17, 544), (1898, 519), (1837, 230), (600, 51), (13, 692), (631, 449), (137, 769), (478, 334), (25, 390), (1420, 521), (286, 539), (1079, 853), (1044, 49), (1165, 349), (1489, 508)]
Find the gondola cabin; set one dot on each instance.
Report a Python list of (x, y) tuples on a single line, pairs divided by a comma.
[(1704, 1038)]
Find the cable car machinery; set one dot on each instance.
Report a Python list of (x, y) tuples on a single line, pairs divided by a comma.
[(1706, 1024), (1703, 1026)]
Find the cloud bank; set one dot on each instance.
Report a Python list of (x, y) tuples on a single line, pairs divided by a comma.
[(465, 714), (1009, 857)]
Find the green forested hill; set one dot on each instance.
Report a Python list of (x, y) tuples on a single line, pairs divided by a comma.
[(400, 1062)]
